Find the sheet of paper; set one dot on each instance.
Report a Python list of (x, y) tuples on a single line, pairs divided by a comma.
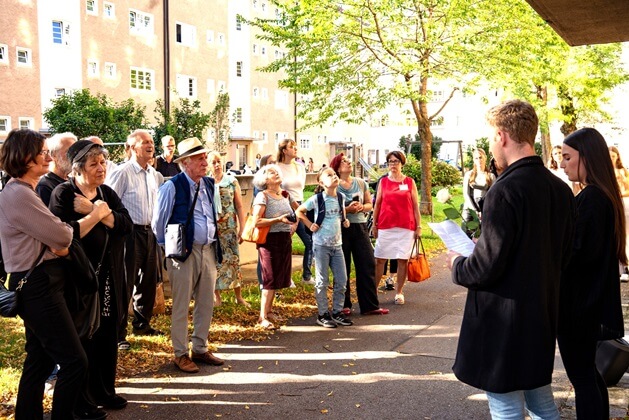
[(453, 237)]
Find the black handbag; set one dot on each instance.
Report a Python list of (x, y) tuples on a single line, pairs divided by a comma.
[(9, 298), (175, 238), (79, 268)]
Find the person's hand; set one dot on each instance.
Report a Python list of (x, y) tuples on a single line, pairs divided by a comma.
[(374, 231), (240, 240), (346, 223), (285, 219), (82, 205), (452, 255), (102, 209), (314, 227), (418, 232), (60, 252), (354, 207)]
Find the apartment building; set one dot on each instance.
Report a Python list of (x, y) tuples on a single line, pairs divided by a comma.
[(144, 50)]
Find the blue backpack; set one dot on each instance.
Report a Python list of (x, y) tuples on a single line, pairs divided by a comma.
[(321, 207)]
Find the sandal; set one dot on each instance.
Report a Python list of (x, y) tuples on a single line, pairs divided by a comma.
[(276, 318), (379, 311), (266, 325), (399, 299)]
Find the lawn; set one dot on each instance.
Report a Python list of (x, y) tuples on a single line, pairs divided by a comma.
[(231, 322)]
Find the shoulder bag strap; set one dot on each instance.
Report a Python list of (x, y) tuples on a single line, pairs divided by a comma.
[(194, 203), (24, 280)]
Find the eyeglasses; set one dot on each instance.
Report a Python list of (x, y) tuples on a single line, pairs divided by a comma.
[(44, 153), (349, 162), (393, 162)]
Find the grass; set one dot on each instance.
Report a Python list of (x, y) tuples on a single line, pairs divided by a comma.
[(231, 322)]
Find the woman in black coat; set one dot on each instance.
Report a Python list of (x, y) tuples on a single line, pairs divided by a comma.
[(103, 242), (590, 308)]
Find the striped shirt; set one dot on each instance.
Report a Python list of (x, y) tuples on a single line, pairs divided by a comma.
[(137, 188)]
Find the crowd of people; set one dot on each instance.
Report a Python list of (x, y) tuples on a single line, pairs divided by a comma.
[(545, 267)]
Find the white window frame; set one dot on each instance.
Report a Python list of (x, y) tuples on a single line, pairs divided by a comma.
[(186, 86), (141, 23), (254, 49), (209, 36), (141, 86), (29, 57), (221, 86), (255, 92), (305, 143), (239, 67), (281, 99), (4, 59), (220, 39), (60, 92), (109, 10), (211, 87), (238, 115), (238, 24), (263, 50), (255, 135), (92, 68), (264, 136), (255, 4), (187, 34), (94, 11), (109, 70), (7, 124), (30, 122)]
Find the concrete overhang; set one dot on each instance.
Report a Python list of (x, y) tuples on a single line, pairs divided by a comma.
[(581, 22)]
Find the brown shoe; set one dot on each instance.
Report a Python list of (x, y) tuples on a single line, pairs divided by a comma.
[(207, 358), (185, 364)]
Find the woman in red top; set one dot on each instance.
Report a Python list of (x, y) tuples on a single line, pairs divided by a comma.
[(396, 220)]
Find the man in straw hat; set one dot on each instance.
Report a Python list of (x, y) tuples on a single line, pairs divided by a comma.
[(188, 199), (135, 182)]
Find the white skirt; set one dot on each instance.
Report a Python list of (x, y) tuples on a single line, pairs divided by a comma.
[(394, 244)]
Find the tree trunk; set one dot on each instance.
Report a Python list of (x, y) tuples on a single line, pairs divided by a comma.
[(542, 95), (567, 109)]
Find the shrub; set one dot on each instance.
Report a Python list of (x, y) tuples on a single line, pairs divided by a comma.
[(443, 174)]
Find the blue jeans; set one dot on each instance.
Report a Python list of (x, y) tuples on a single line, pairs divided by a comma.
[(306, 238), (539, 404), (330, 257)]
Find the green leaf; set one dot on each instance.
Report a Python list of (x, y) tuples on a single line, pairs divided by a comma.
[(472, 225), (451, 213)]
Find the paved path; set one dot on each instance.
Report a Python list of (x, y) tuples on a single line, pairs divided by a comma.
[(396, 366)]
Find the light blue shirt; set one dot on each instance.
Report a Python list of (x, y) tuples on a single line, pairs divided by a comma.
[(329, 233), (202, 217), (137, 189)]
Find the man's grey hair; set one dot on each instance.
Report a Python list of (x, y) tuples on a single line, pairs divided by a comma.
[(55, 143), (135, 136)]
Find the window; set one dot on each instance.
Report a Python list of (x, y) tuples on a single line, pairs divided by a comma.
[(256, 135), (4, 54), (141, 79), (109, 10), (281, 99), (238, 115), (265, 93), (239, 68), (278, 54), (243, 151), (92, 68), (255, 49), (263, 50), (209, 36), (263, 7), (140, 23), (304, 143), (57, 32), (186, 34), (255, 4), (91, 7), (5, 124), (25, 123), (256, 92), (23, 56), (210, 86), (59, 92), (221, 86), (110, 70), (238, 24), (264, 136), (221, 39), (186, 86)]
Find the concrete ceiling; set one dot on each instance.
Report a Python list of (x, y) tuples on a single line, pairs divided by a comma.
[(581, 22)]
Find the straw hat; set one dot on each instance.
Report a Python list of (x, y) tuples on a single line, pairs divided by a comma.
[(190, 147)]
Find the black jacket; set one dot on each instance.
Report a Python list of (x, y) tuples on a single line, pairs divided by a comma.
[(507, 339)]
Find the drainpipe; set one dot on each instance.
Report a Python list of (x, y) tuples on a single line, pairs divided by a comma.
[(166, 59)]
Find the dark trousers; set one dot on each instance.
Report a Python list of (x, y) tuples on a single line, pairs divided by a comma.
[(141, 265), (578, 354), (306, 238), (51, 339), (356, 245)]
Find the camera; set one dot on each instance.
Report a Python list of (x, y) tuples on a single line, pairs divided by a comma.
[(292, 217)]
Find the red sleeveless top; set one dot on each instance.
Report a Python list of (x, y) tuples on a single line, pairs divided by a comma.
[(397, 207)]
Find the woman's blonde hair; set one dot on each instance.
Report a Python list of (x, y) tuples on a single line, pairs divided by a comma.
[(474, 172)]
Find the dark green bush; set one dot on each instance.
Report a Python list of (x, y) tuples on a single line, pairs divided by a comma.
[(443, 174)]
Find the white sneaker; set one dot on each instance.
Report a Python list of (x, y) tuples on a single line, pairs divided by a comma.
[(292, 284), (624, 277), (389, 284), (399, 299)]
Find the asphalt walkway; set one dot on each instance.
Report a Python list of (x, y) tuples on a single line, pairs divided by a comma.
[(395, 366)]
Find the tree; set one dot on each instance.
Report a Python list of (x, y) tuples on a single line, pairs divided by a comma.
[(219, 119), (416, 148), (349, 60), (86, 115), (184, 121)]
